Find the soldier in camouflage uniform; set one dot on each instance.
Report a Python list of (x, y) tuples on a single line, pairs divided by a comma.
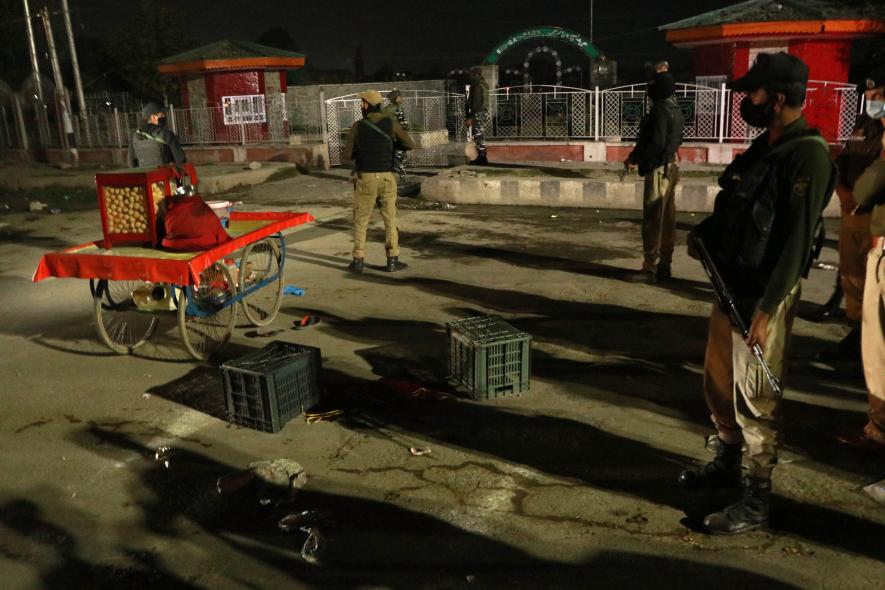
[(395, 111), (477, 111)]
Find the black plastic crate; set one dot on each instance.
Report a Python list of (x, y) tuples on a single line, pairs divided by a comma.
[(267, 388), (489, 357)]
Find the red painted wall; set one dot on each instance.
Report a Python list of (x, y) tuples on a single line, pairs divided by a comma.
[(232, 84), (714, 60), (827, 60)]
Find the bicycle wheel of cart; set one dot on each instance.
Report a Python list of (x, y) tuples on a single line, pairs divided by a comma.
[(206, 313), (261, 281), (118, 321)]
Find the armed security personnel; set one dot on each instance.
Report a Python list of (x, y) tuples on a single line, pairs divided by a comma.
[(155, 129), (869, 192), (660, 135), (394, 110), (761, 236), (372, 143), (476, 112)]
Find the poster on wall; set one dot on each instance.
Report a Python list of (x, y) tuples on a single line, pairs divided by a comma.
[(243, 109)]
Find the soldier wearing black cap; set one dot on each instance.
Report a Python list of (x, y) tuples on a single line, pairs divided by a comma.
[(761, 236), (859, 152), (155, 129), (660, 135), (394, 110), (869, 195)]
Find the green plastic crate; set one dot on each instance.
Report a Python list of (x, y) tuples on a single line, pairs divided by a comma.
[(489, 357), (267, 388)]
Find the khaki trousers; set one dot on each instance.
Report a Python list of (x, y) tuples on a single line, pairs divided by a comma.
[(742, 404), (659, 216), (854, 244), (373, 188), (872, 340)]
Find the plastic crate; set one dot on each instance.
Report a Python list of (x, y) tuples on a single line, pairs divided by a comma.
[(489, 357), (267, 388)]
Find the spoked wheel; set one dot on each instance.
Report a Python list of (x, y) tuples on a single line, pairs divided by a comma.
[(261, 281), (119, 322), (206, 313)]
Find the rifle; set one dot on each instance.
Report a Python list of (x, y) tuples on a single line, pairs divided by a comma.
[(728, 303)]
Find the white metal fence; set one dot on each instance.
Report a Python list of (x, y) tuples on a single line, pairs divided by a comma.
[(426, 111), (711, 114), (525, 112)]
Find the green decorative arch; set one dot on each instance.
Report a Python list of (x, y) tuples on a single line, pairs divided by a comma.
[(554, 33)]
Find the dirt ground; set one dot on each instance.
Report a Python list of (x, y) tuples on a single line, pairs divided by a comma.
[(570, 485)]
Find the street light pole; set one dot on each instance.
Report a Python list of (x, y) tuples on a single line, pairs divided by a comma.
[(32, 47), (78, 83), (591, 21)]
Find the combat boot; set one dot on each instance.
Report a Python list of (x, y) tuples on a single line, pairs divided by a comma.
[(393, 264), (356, 266), (664, 272), (748, 514), (724, 471)]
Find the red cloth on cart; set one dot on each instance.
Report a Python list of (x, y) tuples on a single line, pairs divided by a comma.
[(192, 225)]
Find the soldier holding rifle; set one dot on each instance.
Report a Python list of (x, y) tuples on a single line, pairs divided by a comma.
[(760, 240)]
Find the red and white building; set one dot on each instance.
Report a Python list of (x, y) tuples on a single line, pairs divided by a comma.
[(725, 43)]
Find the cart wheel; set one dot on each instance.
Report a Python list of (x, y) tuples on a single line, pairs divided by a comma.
[(206, 314), (120, 324), (261, 263)]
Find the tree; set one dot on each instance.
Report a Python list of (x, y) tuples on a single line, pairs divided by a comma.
[(160, 35), (278, 38)]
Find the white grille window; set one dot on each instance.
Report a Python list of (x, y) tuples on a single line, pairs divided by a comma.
[(244, 109)]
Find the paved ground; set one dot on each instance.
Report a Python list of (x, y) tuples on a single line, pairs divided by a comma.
[(568, 486)]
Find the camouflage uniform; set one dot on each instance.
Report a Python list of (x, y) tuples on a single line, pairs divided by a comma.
[(395, 111)]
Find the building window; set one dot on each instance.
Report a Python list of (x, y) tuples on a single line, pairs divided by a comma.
[(243, 109)]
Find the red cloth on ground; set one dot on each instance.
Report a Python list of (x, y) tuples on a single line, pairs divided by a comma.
[(191, 225)]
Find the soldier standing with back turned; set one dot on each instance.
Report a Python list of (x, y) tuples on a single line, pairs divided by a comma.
[(371, 146), (395, 111)]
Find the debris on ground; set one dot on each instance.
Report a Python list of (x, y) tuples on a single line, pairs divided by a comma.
[(470, 579), (146, 395), (297, 520), (293, 290), (55, 211), (254, 165), (313, 417), (306, 322), (163, 455), (268, 477), (876, 491), (34, 206), (420, 452), (264, 332), (314, 544)]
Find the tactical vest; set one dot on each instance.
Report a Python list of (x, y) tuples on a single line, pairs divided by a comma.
[(374, 146), (745, 228), (674, 129)]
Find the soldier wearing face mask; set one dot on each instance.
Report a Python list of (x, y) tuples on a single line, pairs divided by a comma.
[(861, 150), (761, 236), (155, 129)]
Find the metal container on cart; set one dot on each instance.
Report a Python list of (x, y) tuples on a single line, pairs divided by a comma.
[(129, 200)]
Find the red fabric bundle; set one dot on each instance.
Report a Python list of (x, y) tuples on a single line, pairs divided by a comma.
[(191, 225)]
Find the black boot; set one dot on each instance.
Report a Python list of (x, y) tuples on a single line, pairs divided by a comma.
[(393, 264), (664, 272), (748, 514), (356, 266), (480, 160), (724, 471)]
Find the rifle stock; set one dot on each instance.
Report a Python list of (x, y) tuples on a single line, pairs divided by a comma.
[(729, 304)]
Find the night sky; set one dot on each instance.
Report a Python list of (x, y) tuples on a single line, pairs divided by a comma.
[(417, 35)]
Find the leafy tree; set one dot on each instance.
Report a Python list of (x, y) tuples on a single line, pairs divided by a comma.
[(278, 38)]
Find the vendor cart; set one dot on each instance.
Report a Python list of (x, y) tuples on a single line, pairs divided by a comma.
[(132, 284)]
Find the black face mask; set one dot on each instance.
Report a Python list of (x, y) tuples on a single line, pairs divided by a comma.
[(161, 121), (756, 115)]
